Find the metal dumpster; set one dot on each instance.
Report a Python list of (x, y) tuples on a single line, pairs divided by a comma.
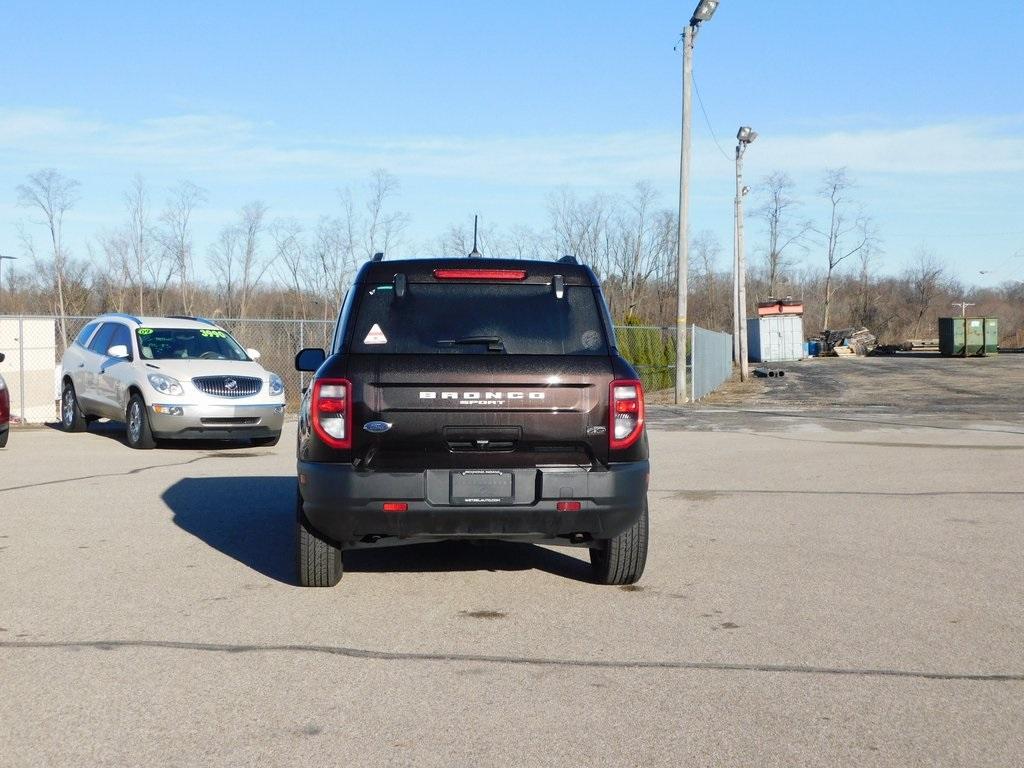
[(967, 336)]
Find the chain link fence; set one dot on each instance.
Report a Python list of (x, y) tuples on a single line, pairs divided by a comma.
[(33, 346), (711, 353)]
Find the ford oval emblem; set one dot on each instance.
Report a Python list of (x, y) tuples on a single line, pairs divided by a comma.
[(377, 427)]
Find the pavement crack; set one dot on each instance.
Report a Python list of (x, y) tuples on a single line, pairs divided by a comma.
[(135, 471), (462, 658)]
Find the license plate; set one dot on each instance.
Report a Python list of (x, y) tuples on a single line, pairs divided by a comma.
[(481, 486)]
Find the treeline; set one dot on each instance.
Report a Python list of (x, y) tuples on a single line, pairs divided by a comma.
[(264, 266)]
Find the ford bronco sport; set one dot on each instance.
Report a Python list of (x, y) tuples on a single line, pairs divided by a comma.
[(472, 398)]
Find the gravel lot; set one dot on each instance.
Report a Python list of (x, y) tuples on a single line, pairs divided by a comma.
[(921, 382), (826, 587)]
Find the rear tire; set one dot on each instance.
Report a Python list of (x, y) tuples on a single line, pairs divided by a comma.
[(266, 442), (318, 558), (137, 428), (71, 417), (621, 560), (3, 437)]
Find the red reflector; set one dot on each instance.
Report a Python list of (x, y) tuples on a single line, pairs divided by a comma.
[(396, 506), (331, 405), (568, 506), (480, 274), (627, 406)]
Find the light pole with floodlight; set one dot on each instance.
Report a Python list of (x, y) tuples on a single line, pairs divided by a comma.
[(744, 138), (705, 10)]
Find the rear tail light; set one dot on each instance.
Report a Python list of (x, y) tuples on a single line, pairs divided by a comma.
[(332, 412), (480, 274), (396, 506), (568, 506), (626, 413)]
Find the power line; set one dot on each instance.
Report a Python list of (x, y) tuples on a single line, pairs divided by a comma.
[(707, 120)]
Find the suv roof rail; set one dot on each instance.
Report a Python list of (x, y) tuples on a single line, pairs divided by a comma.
[(568, 260), (378, 256), (190, 317), (123, 316)]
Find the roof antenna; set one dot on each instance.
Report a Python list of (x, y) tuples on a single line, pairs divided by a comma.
[(475, 254)]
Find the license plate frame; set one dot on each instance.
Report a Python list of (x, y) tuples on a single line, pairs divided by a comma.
[(482, 487)]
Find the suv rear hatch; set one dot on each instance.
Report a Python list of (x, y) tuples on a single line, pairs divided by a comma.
[(478, 372)]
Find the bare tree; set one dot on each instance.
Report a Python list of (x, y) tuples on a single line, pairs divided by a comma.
[(139, 235), (777, 211), (117, 269), (924, 278), (581, 228), (224, 262), (176, 236), (291, 262), (847, 234), (642, 246), (335, 259), (52, 194), (378, 230), (253, 264), (704, 252)]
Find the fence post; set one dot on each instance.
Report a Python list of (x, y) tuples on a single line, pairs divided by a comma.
[(693, 363), (302, 345), (21, 366)]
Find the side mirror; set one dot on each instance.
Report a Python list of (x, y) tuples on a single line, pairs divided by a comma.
[(118, 350), (310, 359), (253, 353)]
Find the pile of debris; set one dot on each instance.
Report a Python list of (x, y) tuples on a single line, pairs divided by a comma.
[(847, 342)]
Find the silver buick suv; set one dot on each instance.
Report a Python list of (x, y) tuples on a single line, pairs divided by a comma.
[(169, 378)]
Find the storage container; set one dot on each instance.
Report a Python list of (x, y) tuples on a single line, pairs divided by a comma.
[(775, 338)]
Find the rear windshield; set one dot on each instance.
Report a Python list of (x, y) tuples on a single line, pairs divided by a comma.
[(188, 344), (453, 319)]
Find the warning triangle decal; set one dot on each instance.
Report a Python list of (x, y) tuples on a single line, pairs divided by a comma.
[(375, 336)]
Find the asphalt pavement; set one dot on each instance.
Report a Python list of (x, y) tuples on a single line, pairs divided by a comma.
[(823, 589)]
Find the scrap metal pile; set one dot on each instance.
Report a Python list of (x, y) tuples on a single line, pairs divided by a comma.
[(847, 342)]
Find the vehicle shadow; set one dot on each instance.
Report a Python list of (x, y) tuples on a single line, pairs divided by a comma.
[(115, 430), (252, 519)]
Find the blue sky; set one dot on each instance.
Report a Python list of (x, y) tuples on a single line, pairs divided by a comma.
[(487, 107)]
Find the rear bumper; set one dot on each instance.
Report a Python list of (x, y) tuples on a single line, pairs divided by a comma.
[(216, 421), (347, 506)]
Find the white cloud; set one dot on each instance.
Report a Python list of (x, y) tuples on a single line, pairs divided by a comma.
[(222, 144)]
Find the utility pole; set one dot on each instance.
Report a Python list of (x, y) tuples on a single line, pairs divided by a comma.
[(735, 286), (963, 307), (745, 136), (2, 260), (704, 11)]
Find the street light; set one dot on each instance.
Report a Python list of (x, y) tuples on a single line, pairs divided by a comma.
[(744, 138), (2, 260), (705, 10)]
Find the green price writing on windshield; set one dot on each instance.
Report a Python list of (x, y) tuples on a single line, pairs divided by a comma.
[(214, 334), (145, 331)]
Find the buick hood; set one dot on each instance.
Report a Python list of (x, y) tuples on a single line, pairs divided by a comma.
[(186, 370)]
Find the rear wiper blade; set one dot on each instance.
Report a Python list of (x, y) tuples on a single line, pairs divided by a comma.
[(494, 343)]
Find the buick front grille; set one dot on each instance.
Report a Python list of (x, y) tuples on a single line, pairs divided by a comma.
[(228, 386)]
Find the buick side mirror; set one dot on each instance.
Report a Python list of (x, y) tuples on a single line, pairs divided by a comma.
[(310, 359), (118, 350), (253, 353)]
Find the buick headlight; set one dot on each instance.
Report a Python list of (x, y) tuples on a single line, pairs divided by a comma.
[(165, 385), (276, 384)]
